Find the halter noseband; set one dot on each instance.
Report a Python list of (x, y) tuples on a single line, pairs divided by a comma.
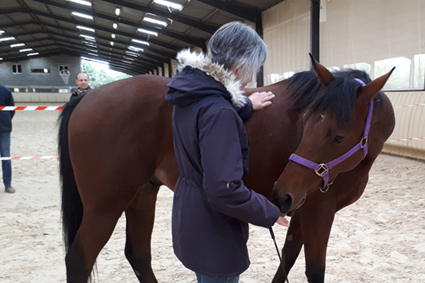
[(322, 169)]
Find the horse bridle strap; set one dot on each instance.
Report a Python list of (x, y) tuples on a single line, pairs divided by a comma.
[(322, 169)]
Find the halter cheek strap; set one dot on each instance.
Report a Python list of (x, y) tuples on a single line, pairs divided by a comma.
[(322, 169)]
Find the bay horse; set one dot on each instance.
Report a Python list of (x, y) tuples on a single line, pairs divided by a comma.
[(116, 150)]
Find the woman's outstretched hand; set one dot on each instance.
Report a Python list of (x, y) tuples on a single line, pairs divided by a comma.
[(261, 99), (282, 220)]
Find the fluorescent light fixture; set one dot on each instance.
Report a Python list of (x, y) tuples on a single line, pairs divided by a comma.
[(117, 11), (169, 4), (88, 37), (154, 21), (140, 42), (81, 15), (17, 45), (131, 53), (147, 31), (137, 49), (1, 59), (2, 31), (128, 58), (113, 35), (32, 54), (7, 38), (112, 43), (25, 50), (115, 25), (85, 28), (82, 2)]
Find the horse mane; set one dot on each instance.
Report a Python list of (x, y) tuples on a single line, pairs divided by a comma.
[(309, 94)]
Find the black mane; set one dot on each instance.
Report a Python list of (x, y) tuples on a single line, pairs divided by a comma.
[(308, 93)]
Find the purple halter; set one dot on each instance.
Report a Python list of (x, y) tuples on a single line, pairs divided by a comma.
[(322, 169)]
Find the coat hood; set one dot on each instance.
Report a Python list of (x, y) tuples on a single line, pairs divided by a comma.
[(198, 77)]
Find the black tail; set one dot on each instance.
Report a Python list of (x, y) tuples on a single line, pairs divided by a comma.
[(72, 207)]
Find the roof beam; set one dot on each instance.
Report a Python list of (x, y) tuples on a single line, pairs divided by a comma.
[(235, 9), (73, 21), (181, 19), (181, 37)]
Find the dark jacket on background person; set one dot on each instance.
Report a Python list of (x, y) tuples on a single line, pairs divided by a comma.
[(79, 92), (6, 99), (212, 207)]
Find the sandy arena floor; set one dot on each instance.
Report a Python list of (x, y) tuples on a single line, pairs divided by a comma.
[(380, 238)]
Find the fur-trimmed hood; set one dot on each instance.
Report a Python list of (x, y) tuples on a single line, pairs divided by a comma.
[(188, 82)]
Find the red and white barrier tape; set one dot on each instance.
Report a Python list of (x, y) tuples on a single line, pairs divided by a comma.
[(29, 157), (408, 139), (30, 108)]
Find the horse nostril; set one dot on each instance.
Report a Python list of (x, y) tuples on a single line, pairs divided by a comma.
[(285, 203)]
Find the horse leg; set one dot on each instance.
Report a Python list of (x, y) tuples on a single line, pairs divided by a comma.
[(96, 228), (316, 222), (291, 249), (140, 216)]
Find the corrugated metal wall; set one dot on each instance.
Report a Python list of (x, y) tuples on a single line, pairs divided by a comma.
[(369, 35)]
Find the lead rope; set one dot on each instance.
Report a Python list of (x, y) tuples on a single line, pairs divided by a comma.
[(278, 253)]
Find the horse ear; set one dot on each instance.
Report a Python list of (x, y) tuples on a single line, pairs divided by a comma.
[(369, 91), (325, 77)]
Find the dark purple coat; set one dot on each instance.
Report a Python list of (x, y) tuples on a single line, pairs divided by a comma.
[(212, 207)]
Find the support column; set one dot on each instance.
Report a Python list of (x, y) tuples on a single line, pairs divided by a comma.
[(315, 29)]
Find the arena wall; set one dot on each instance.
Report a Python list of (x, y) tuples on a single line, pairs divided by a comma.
[(372, 36)]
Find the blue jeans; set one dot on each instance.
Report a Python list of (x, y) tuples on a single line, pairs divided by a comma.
[(6, 165), (205, 279)]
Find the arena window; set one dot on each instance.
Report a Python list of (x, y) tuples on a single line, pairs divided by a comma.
[(40, 71), (17, 69)]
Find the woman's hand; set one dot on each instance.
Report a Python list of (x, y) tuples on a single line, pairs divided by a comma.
[(261, 99), (282, 220)]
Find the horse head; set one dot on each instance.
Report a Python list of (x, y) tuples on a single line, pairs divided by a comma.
[(336, 114)]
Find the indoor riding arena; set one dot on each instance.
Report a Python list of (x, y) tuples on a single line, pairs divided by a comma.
[(378, 238)]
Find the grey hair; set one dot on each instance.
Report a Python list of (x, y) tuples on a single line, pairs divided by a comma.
[(237, 45)]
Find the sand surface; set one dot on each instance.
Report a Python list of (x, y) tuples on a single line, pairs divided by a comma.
[(380, 238)]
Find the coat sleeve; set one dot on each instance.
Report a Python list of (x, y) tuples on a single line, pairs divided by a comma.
[(222, 164), (10, 102), (245, 112)]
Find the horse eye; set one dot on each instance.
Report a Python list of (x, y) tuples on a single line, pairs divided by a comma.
[(339, 139)]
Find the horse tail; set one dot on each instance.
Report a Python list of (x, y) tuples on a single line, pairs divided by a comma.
[(72, 207)]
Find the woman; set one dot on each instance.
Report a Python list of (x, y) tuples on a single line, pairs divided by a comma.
[(212, 207)]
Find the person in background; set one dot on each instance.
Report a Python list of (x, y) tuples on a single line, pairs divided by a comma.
[(83, 83), (212, 207), (6, 99)]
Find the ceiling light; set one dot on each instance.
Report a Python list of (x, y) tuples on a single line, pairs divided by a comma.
[(7, 38), (131, 53), (137, 49), (117, 11), (169, 4), (17, 45), (147, 31), (2, 31), (81, 15), (82, 2), (88, 37), (1, 59), (115, 25), (140, 42), (25, 50), (154, 21), (113, 35), (112, 43), (32, 54), (85, 28), (128, 58)]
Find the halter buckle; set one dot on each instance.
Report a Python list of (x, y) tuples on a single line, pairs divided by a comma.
[(363, 142), (321, 170)]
